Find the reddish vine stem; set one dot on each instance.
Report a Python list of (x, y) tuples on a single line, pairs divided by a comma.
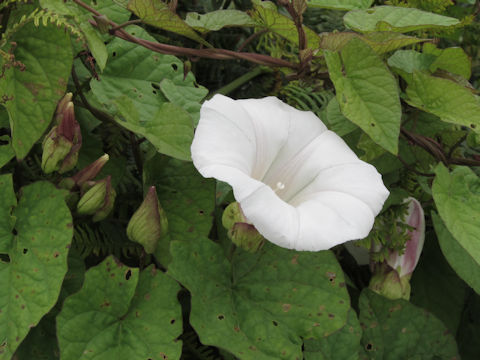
[(411, 168), (212, 53), (250, 39), (436, 150)]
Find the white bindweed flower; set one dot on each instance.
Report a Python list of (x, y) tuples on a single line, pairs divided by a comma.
[(298, 183)]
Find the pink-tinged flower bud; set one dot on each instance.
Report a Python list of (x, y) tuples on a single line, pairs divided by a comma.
[(63, 142), (98, 200), (405, 264), (392, 279), (90, 172), (240, 231), (149, 223), (61, 106)]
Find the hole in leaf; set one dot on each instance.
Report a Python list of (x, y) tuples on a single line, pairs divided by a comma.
[(201, 212), (372, 125), (14, 232), (274, 323), (153, 91), (174, 67), (4, 142), (128, 274), (155, 86), (25, 251), (369, 347), (172, 321), (220, 317), (114, 54), (473, 126)]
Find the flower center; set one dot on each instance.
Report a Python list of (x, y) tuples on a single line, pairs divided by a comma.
[(279, 186)]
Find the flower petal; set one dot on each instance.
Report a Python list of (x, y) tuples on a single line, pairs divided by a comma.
[(358, 179), (281, 131)]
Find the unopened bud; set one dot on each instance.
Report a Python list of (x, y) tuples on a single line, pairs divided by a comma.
[(90, 172), (240, 231), (98, 200), (63, 142), (392, 279), (149, 223), (246, 236), (391, 285), (415, 219)]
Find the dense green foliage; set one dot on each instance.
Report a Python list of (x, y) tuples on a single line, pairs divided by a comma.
[(399, 81)]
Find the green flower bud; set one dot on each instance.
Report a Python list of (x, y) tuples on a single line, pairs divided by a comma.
[(63, 142), (231, 215), (90, 172), (240, 231), (55, 149), (149, 223), (107, 207), (246, 236), (391, 285), (98, 200)]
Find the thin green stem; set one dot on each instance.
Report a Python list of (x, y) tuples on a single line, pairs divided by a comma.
[(227, 89)]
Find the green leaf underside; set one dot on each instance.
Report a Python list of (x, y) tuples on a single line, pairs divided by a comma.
[(367, 92), (130, 87), (341, 345), (261, 305), (121, 314), (380, 42), (340, 4), (446, 99), (270, 19), (158, 14), (410, 61), (336, 121), (457, 197), (399, 19), (396, 329), (47, 55), (459, 259), (216, 20), (32, 279), (453, 60)]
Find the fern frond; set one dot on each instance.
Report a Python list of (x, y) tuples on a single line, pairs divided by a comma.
[(308, 97), (103, 239), (44, 17), (6, 3)]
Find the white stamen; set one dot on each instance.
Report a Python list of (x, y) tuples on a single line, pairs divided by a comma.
[(280, 186)]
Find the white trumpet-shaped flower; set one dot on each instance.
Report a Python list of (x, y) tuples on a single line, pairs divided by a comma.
[(298, 183)]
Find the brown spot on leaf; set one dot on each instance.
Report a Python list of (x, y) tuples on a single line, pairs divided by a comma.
[(147, 296), (404, 330), (395, 308), (105, 304), (295, 260), (56, 254), (190, 229), (286, 307), (342, 284)]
